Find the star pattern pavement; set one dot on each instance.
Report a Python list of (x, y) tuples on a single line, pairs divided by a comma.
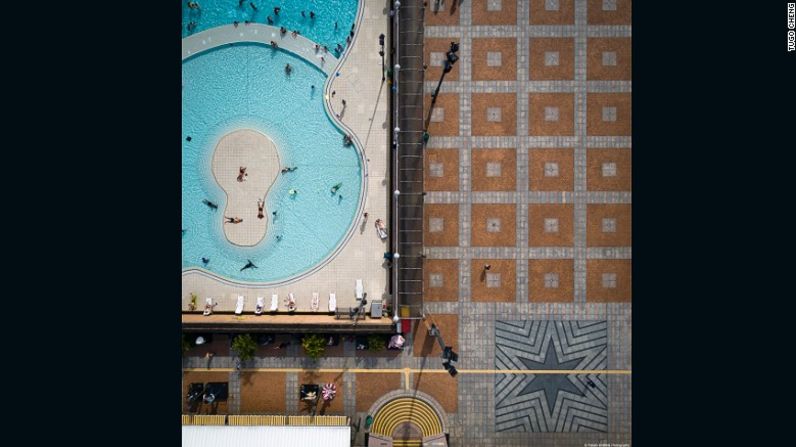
[(550, 384)]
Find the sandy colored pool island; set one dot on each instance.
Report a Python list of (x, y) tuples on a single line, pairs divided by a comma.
[(256, 153)]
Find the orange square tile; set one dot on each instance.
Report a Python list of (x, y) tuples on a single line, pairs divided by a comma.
[(504, 291), (493, 169), (619, 276), (445, 173), (442, 387), (494, 114), (620, 16), (507, 15), (439, 46), (372, 386), (447, 15), (608, 114), (551, 224), (616, 232), (263, 392), (608, 169), (425, 346), (565, 15), (441, 227), (493, 225), (551, 169), (561, 288), (446, 271), (561, 64), (601, 65), (449, 104), (506, 70), (551, 114)]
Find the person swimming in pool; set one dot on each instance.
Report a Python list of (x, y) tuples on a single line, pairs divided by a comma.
[(205, 261), (288, 68), (260, 205), (249, 265), (292, 192), (210, 204)]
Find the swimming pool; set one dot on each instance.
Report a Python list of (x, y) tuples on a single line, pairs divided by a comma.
[(244, 86), (321, 29)]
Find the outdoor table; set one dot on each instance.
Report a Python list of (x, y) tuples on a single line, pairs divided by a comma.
[(218, 389)]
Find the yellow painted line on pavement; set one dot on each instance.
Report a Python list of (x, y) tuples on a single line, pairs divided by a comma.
[(406, 371), (406, 376)]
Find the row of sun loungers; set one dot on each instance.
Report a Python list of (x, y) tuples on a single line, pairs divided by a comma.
[(290, 303)]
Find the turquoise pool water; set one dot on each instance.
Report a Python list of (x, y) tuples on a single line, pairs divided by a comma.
[(245, 86), (320, 29)]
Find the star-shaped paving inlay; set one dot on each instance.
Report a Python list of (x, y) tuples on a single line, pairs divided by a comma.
[(550, 384)]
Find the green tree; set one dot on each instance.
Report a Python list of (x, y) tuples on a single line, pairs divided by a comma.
[(244, 347), (314, 345), (376, 342)]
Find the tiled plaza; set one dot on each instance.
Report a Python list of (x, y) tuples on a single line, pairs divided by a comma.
[(528, 213)]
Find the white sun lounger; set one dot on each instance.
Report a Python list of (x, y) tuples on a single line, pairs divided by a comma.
[(360, 290), (239, 306), (315, 302), (208, 306), (274, 302), (381, 230), (332, 302), (291, 302), (258, 308)]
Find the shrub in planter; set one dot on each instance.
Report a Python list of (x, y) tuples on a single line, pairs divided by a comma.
[(376, 342), (314, 345), (244, 346)]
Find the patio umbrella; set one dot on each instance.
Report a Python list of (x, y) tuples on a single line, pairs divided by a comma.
[(397, 341), (329, 391)]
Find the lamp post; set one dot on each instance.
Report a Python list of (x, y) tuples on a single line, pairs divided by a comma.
[(449, 61), (381, 53), (448, 355)]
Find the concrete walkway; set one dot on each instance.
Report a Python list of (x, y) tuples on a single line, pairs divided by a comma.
[(257, 32)]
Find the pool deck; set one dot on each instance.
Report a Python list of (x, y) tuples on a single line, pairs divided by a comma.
[(257, 32), (366, 118)]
